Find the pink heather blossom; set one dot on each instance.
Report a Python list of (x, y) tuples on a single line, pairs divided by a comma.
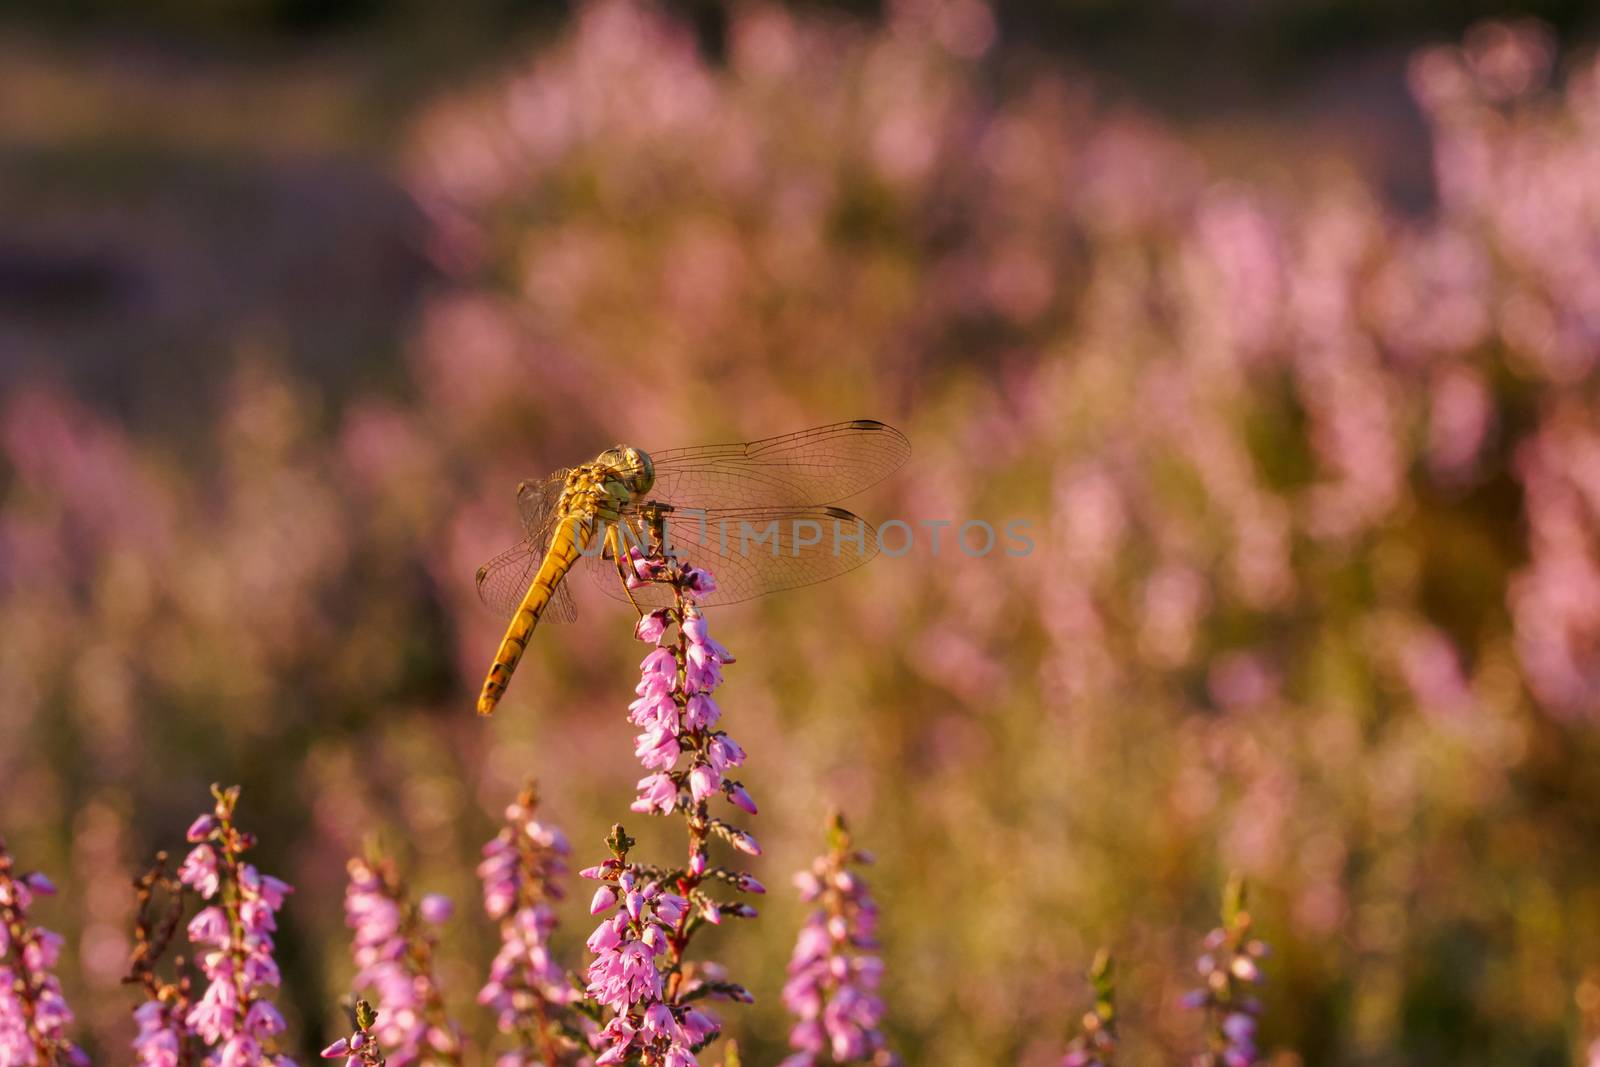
[(605, 898), (393, 952), (834, 972), (625, 976), (701, 712), (210, 926), (651, 626), (703, 781), (34, 1015), (657, 793), (745, 843), (364, 1047), (724, 752), (233, 942), (199, 870), (646, 568), (159, 1042), (738, 797), (699, 583), (657, 748)]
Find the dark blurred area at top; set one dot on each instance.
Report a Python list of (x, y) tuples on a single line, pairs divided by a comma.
[(180, 179), (1217, 40)]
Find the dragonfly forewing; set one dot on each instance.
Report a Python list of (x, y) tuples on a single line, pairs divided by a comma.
[(817, 466)]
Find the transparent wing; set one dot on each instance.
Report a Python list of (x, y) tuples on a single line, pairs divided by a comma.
[(817, 466), (538, 502), (750, 551), (504, 581)]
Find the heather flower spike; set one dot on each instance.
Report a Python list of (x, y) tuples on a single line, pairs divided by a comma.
[(1096, 1043), (363, 1047), (232, 937), (531, 996), (835, 970), (393, 944), (1229, 967), (641, 983), (34, 1015)]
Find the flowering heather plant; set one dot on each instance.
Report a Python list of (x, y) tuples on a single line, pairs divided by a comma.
[(835, 970), (361, 1048), (34, 1015), (641, 972), (393, 944), (529, 992), (233, 940), (1096, 1043), (1230, 966)]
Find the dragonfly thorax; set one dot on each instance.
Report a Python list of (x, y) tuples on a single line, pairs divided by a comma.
[(630, 466)]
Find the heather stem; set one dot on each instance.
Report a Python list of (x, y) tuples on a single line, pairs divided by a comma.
[(1096, 1043), (695, 816), (162, 1033), (231, 844), (361, 1047)]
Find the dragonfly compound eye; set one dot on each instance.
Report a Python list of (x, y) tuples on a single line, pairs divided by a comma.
[(641, 471)]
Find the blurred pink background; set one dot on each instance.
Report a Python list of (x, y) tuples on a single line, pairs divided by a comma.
[(1294, 382)]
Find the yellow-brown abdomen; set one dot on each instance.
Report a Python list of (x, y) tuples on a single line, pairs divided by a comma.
[(563, 553)]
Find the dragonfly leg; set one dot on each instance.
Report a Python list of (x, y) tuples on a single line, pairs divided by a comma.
[(617, 552)]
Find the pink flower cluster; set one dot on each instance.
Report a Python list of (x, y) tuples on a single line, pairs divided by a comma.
[(34, 1015), (233, 941), (1230, 965), (834, 972), (521, 872), (640, 971), (393, 947), (675, 708), (161, 1031), (650, 924)]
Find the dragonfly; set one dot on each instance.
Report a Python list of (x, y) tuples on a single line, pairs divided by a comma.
[(761, 515)]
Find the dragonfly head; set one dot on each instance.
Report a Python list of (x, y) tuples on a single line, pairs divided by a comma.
[(632, 466)]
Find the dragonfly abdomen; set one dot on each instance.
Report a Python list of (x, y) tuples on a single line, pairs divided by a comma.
[(571, 536)]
